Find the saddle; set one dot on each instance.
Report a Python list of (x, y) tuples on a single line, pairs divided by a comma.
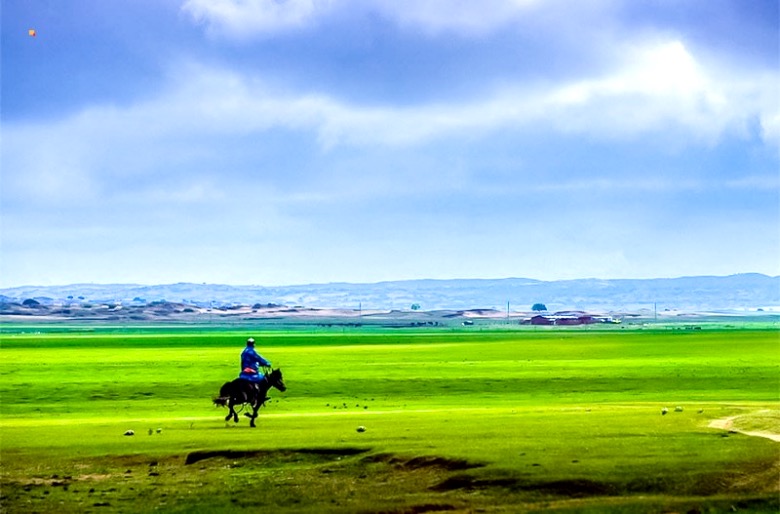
[(256, 387)]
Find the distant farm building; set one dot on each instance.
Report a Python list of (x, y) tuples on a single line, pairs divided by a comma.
[(579, 320), (567, 318), (539, 320)]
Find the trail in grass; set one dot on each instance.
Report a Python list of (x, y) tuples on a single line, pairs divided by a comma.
[(728, 424)]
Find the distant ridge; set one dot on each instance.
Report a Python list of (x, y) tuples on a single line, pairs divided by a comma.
[(741, 291)]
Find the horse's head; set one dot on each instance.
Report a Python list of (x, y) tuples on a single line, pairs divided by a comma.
[(275, 379)]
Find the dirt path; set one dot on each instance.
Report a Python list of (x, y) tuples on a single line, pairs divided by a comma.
[(728, 424)]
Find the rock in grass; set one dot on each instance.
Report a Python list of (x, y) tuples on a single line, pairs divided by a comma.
[(130, 432), (664, 411), (361, 428), (678, 409)]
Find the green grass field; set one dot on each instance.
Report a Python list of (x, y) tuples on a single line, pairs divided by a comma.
[(505, 421)]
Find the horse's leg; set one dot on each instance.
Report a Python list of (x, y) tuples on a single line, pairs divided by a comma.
[(251, 399), (232, 412), (256, 403)]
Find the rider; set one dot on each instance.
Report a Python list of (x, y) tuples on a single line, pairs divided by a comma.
[(250, 363)]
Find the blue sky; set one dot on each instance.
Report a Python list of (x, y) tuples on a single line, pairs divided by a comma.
[(277, 142)]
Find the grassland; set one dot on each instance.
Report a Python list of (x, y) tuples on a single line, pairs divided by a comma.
[(497, 421)]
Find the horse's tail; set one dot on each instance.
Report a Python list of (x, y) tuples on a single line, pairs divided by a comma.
[(224, 395)]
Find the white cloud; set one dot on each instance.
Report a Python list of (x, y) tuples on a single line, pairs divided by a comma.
[(462, 15), (239, 18), (46, 164), (770, 125), (666, 69), (246, 18), (661, 87)]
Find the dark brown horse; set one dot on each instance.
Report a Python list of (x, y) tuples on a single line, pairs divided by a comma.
[(241, 392)]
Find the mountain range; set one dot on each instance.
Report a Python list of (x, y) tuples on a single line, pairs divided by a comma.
[(749, 291)]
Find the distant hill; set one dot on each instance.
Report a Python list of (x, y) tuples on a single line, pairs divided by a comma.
[(743, 291)]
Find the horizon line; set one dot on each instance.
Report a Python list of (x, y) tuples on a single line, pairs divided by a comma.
[(159, 284)]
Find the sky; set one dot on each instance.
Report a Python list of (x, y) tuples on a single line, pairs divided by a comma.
[(279, 142)]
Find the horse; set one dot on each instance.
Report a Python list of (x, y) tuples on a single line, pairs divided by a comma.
[(241, 391)]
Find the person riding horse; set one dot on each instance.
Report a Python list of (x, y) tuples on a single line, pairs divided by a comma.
[(251, 386), (251, 362)]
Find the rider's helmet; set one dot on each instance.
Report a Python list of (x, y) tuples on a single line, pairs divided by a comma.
[(250, 342)]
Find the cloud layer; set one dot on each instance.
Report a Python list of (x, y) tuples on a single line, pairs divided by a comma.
[(394, 140)]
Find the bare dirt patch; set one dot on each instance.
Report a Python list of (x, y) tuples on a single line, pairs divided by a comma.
[(280, 455), (428, 461), (576, 488)]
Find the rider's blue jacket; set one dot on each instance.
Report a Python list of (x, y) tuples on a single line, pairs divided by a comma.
[(250, 363)]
